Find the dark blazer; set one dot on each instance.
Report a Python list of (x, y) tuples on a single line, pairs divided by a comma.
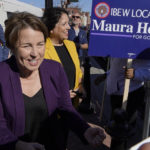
[(55, 87)]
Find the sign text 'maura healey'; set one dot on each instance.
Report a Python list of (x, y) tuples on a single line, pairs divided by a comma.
[(103, 25)]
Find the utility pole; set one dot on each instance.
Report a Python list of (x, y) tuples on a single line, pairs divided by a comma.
[(48, 4)]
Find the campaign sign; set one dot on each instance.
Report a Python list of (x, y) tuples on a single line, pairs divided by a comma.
[(120, 28)]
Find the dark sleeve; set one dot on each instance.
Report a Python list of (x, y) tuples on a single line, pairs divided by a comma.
[(7, 138), (73, 119), (71, 35)]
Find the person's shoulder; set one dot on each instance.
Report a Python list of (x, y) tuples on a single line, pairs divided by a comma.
[(6, 63), (3, 64), (51, 67), (82, 30), (4, 67), (71, 27), (50, 63), (70, 43), (71, 30)]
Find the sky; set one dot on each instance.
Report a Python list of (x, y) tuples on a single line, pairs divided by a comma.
[(86, 5)]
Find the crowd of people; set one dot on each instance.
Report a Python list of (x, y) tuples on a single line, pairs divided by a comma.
[(41, 61)]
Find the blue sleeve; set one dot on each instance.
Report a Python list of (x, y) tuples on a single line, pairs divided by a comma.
[(4, 50), (7, 138), (142, 71), (71, 35), (2, 39), (83, 37)]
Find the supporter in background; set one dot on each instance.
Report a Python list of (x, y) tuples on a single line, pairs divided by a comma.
[(138, 74), (79, 36), (84, 21), (4, 51)]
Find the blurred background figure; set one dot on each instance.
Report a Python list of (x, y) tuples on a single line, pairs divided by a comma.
[(79, 36), (138, 74), (84, 21), (4, 51)]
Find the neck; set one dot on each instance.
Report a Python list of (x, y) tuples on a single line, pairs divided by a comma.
[(56, 42), (29, 75)]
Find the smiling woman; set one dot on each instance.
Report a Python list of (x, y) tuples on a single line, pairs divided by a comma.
[(37, 90), (30, 50), (60, 49)]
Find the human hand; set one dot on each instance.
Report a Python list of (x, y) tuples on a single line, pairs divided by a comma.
[(129, 73), (72, 94), (95, 136), (20, 145), (84, 46)]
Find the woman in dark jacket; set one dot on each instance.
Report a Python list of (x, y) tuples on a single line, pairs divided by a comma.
[(32, 90)]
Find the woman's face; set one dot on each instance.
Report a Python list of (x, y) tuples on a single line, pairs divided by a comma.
[(60, 32), (29, 50)]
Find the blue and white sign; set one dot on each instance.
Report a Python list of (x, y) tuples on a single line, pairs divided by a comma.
[(120, 29)]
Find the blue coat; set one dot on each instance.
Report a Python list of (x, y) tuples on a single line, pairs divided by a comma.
[(80, 39), (55, 87), (2, 39), (4, 51), (82, 36)]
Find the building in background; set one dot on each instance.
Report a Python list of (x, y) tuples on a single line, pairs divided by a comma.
[(7, 7)]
